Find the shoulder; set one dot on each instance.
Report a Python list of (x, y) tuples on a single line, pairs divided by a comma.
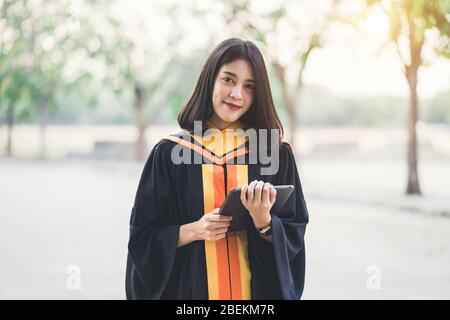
[(286, 147), (161, 151), (286, 152), (163, 146)]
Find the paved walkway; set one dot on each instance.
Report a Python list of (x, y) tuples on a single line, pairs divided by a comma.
[(365, 240)]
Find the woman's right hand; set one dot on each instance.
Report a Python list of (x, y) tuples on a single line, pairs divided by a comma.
[(212, 226)]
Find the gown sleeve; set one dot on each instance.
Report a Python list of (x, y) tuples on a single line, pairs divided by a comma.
[(281, 264), (153, 238)]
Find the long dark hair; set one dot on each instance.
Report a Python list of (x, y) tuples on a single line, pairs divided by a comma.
[(261, 115)]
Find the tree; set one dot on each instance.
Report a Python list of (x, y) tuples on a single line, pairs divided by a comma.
[(41, 38), (15, 82), (136, 60), (14, 94), (412, 22), (286, 39)]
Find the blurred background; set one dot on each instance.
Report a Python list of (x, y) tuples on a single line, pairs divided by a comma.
[(362, 89)]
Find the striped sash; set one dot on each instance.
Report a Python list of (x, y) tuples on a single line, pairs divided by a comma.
[(226, 259)]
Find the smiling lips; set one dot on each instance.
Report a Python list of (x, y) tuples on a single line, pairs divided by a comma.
[(232, 106)]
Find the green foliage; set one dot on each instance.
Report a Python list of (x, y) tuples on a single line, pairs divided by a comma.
[(39, 41), (437, 109), (321, 107), (413, 18)]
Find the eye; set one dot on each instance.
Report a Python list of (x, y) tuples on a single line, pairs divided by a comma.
[(229, 80), (251, 87)]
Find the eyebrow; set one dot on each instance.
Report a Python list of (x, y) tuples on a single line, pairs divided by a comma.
[(232, 74)]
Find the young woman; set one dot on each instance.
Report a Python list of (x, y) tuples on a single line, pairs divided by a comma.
[(179, 247)]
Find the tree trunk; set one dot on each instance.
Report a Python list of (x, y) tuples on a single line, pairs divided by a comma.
[(140, 149), (411, 72), (43, 120), (288, 101), (292, 116), (10, 121), (413, 186)]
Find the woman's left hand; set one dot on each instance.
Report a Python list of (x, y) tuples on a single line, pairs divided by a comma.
[(258, 197)]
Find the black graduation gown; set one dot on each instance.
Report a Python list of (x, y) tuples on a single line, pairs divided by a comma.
[(170, 195)]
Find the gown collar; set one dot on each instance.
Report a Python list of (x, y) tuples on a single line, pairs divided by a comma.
[(221, 142)]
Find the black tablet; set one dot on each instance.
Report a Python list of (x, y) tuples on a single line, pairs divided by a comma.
[(232, 206)]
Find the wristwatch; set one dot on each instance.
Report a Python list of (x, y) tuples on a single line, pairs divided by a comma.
[(266, 231)]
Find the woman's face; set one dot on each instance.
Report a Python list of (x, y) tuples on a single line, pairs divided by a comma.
[(233, 92)]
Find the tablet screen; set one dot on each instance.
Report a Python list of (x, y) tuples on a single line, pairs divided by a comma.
[(232, 206)]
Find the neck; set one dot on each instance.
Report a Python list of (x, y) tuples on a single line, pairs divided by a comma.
[(219, 123)]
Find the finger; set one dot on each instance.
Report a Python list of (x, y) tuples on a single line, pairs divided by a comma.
[(221, 230), (273, 195), (219, 217), (214, 236), (214, 226), (215, 211), (253, 184), (219, 237), (244, 194), (258, 191), (218, 225), (250, 191), (265, 198)]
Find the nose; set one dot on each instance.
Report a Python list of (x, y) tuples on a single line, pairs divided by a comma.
[(236, 92)]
